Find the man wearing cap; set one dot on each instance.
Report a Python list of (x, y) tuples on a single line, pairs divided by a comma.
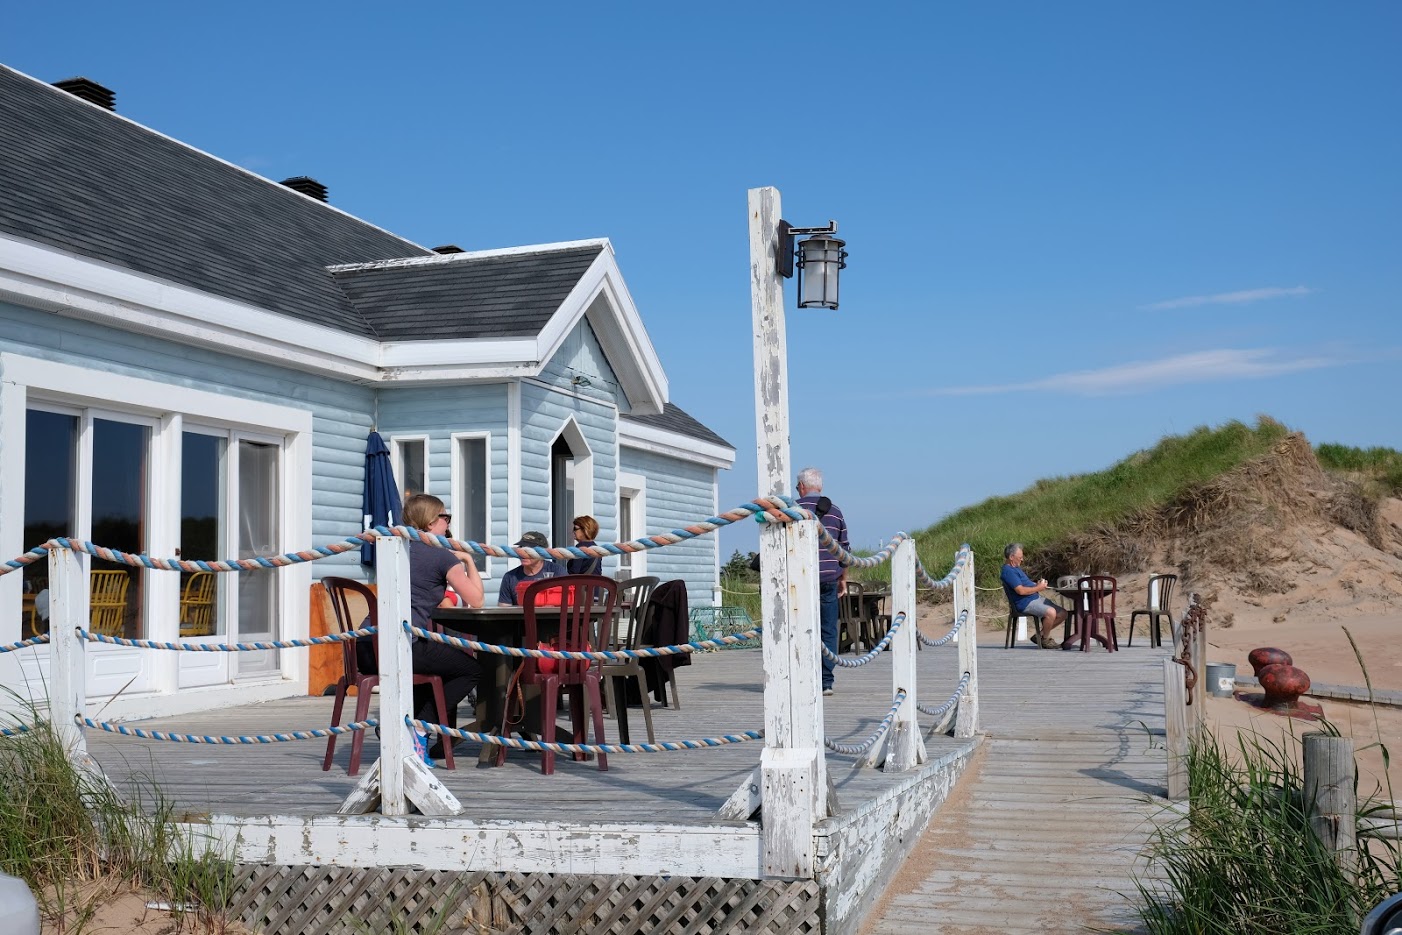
[(531, 569)]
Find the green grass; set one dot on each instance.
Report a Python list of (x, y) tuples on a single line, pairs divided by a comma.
[(73, 839), (1379, 468), (1052, 509), (1245, 861)]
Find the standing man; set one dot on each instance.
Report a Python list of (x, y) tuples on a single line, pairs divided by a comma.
[(1025, 597), (531, 569), (832, 575)]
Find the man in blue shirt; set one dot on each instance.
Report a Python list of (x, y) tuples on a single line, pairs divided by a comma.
[(1024, 597), (832, 575), (531, 569)]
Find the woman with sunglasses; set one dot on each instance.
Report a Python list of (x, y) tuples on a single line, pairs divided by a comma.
[(431, 569), (585, 529)]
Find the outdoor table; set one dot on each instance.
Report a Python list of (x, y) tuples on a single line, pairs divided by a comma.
[(504, 625), (1078, 596), (859, 614)]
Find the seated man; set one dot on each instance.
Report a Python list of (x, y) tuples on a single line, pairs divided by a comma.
[(531, 569), (1024, 597)]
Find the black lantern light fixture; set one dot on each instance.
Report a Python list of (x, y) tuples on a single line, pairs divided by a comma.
[(820, 257)]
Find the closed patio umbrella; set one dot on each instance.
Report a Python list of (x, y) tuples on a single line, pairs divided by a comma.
[(380, 500)]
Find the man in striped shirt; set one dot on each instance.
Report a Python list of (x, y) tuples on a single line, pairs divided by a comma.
[(832, 575)]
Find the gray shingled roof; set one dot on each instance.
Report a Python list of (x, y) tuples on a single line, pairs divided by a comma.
[(676, 419), (512, 295), (82, 179)]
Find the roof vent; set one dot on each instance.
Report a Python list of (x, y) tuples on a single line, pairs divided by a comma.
[(89, 90), (307, 186), (449, 248)]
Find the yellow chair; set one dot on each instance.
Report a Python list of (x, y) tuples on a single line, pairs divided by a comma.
[(197, 605), (30, 614), (107, 602)]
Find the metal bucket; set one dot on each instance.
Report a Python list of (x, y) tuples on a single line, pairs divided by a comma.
[(1221, 678)]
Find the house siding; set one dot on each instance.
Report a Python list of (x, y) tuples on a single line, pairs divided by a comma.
[(341, 411), (440, 411), (678, 494)]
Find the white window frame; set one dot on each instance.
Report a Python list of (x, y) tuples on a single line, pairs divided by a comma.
[(46, 384), (634, 487), (457, 481), (396, 443)]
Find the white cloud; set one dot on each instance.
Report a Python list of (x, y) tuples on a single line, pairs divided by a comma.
[(1198, 367), (1241, 297)]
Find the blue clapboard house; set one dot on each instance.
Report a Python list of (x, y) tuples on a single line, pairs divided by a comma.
[(192, 358)]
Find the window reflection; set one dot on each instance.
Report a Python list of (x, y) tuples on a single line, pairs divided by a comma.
[(50, 469), (201, 531), (119, 522)]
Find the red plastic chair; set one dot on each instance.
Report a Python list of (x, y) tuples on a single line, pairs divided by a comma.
[(340, 591), (1099, 593), (577, 632)]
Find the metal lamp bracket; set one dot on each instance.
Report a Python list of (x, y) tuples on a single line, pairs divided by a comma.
[(784, 249)]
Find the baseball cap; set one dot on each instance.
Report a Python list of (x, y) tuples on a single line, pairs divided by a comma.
[(534, 539)]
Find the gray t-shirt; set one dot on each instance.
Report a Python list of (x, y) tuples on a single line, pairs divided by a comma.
[(428, 577)]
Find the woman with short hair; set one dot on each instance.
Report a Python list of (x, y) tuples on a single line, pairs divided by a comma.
[(585, 529)]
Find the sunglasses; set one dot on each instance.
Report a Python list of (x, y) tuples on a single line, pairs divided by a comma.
[(447, 516)]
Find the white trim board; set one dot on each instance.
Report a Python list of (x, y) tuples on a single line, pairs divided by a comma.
[(49, 279), (673, 445)]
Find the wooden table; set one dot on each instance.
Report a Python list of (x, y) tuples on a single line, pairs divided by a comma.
[(504, 625), (1078, 596)]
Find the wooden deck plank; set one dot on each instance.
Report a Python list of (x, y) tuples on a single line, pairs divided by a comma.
[(1046, 832), (722, 692)]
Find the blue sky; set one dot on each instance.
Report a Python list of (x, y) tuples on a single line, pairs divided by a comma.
[(1073, 227)]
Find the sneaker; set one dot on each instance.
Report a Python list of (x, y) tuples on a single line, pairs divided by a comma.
[(826, 692), (421, 749), (1050, 642)]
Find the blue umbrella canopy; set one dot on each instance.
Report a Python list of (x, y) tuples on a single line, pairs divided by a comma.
[(380, 500)]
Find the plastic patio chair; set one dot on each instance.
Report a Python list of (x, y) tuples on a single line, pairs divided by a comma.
[(578, 632), (342, 591), (627, 634), (1099, 608), (1155, 607), (107, 601), (197, 605)]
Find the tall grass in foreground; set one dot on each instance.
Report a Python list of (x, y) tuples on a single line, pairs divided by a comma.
[(75, 841), (1051, 509), (1245, 862)]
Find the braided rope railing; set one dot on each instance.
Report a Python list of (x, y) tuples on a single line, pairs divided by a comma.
[(858, 749), (665, 746), (32, 641), (853, 662), (772, 509), (15, 731), (345, 637), (650, 652), (284, 737), (963, 556), (950, 702), (958, 625)]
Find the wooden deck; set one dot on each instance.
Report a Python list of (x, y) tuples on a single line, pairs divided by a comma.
[(1045, 832), (683, 791)]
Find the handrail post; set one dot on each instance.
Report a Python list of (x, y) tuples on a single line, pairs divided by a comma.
[(68, 600), (793, 768), (1329, 774), (905, 748), (966, 723), (396, 669)]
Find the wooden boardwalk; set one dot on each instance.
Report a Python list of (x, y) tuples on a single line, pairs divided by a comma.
[(722, 692), (1045, 830)]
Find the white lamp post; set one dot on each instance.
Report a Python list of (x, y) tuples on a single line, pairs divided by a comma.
[(793, 784)]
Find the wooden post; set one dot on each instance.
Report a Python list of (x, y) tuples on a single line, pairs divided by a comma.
[(1330, 772), (1200, 666), (68, 611), (966, 723), (399, 777), (1175, 723), (905, 748), (793, 787)]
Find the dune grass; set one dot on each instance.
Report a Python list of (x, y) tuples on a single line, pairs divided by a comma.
[(1245, 860), (1379, 469), (75, 840), (1054, 508)]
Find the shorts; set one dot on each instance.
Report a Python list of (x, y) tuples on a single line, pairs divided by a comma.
[(1039, 607)]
